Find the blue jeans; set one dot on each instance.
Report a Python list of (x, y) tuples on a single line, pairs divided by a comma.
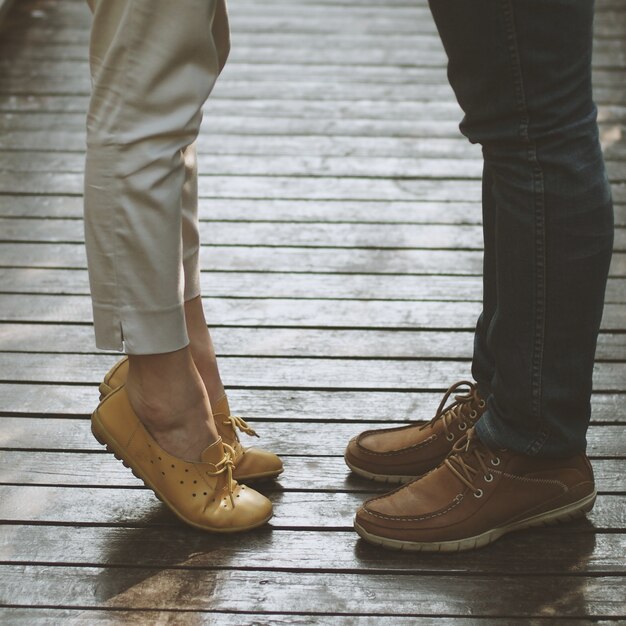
[(521, 71)]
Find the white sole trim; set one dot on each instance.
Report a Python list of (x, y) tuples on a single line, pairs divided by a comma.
[(380, 478)]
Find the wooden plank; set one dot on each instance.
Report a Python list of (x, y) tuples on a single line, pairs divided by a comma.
[(335, 551), (303, 188), (31, 113), (332, 211), (315, 235), (277, 312), (320, 260), (608, 89), (392, 167), (282, 373), (228, 258), (410, 51), (283, 285), (63, 113), (312, 19), (139, 507), (286, 342), (288, 438), (142, 617), (289, 342), (44, 400), (287, 285), (282, 591), (303, 473)]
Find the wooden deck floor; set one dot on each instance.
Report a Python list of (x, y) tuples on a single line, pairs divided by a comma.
[(342, 257)]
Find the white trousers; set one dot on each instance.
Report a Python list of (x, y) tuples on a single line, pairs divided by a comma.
[(153, 65)]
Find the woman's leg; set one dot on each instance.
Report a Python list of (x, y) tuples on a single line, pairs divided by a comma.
[(200, 342), (153, 65)]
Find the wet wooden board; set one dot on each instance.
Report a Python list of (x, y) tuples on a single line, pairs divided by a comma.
[(108, 506), (289, 437), (73, 400), (281, 591), (313, 549), (364, 236), (307, 473), (287, 259), (340, 216), (274, 210)]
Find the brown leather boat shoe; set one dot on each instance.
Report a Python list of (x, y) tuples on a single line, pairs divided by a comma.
[(250, 463), (474, 497), (203, 494), (400, 454)]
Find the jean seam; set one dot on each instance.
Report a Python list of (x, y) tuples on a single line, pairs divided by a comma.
[(538, 193)]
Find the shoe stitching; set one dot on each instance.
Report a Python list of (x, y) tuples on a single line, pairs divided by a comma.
[(457, 500), (416, 446), (545, 481)]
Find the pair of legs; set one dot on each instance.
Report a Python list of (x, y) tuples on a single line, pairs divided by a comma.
[(511, 453), (153, 64)]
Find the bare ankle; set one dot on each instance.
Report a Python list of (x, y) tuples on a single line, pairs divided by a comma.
[(168, 395), (202, 349)]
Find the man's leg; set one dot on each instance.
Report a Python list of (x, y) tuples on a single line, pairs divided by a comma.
[(522, 73), (525, 87)]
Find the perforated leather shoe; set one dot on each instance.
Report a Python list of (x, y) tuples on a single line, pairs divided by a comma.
[(202, 494), (474, 497), (400, 454), (250, 463)]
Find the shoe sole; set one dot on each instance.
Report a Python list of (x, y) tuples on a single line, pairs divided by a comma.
[(563, 514), (105, 390), (380, 478), (105, 439)]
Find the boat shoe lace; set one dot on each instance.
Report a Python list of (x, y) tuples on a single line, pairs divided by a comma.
[(462, 408), (470, 460), (226, 465)]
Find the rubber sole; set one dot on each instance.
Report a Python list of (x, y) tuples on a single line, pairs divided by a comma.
[(380, 478), (104, 439), (563, 514)]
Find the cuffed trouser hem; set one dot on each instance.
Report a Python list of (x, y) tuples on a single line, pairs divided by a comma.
[(140, 332)]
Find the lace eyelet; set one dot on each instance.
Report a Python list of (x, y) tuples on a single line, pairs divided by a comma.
[(450, 437), (473, 414), (462, 426), (488, 478), (482, 404), (495, 462), (478, 493)]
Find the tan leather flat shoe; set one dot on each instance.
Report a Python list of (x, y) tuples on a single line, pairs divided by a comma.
[(250, 463), (203, 494)]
